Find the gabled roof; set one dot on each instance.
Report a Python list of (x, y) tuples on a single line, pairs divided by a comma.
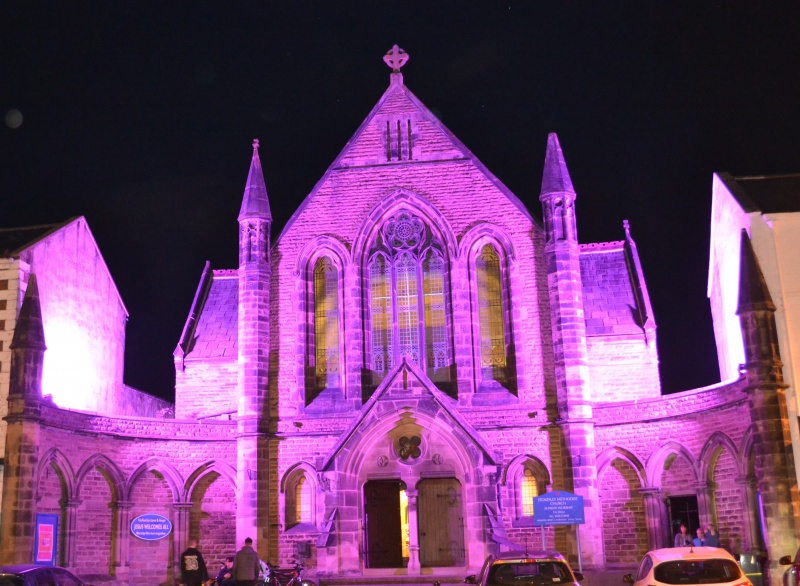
[(434, 143), (615, 297), (768, 194), (425, 390), (15, 240), (211, 330)]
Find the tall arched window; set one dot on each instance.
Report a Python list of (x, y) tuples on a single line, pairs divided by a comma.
[(407, 300), (528, 490), (323, 356), (491, 316)]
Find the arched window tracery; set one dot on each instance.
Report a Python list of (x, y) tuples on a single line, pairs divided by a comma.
[(324, 354), (408, 300), (493, 332)]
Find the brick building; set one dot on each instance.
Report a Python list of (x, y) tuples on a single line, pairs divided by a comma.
[(382, 388)]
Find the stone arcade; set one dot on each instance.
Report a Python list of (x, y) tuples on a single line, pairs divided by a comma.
[(382, 388)]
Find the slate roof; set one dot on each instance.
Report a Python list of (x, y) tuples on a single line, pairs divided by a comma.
[(768, 194), (211, 330), (610, 302), (14, 240)]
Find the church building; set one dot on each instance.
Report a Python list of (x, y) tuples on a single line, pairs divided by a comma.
[(384, 387)]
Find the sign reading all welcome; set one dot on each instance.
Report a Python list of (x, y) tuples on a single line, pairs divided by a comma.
[(151, 527)]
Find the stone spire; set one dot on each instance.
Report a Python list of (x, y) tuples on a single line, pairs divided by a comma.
[(557, 195), (756, 313), (27, 346), (255, 219), (555, 179), (29, 331), (255, 203)]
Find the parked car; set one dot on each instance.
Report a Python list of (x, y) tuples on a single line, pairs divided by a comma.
[(30, 575), (791, 577), (521, 568), (688, 566)]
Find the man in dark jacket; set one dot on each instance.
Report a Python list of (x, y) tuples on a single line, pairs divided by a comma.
[(246, 565), (225, 575), (193, 567)]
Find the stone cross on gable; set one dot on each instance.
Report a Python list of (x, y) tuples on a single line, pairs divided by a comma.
[(395, 58)]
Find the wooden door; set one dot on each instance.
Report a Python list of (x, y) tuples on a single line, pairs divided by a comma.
[(441, 523), (383, 538)]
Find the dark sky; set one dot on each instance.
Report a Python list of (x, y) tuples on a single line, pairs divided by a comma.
[(140, 115)]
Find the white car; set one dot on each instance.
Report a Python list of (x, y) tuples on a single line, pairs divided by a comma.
[(687, 566)]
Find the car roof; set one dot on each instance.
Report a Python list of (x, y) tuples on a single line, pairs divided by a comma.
[(530, 554), (19, 568), (689, 553)]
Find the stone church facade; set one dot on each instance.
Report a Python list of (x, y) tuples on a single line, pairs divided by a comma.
[(383, 388)]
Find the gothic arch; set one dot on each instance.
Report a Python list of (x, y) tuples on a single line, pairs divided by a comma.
[(487, 233), (171, 476), (112, 473), (657, 460), (391, 204), (748, 445), (223, 469), (324, 245), (518, 462), (467, 457), (293, 494), (718, 440), (607, 457), (58, 460)]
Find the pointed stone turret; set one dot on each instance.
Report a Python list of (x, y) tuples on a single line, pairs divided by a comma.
[(255, 221), (21, 456), (255, 218), (573, 391), (774, 466), (255, 203), (557, 195), (27, 346)]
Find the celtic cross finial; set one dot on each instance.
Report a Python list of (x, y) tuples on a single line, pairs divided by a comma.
[(395, 58)]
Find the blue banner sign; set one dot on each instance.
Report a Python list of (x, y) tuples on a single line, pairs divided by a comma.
[(45, 544), (151, 527), (558, 507)]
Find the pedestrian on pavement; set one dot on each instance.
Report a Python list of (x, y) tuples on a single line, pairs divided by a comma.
[(711, 538), (246, 565), (682, 538), (193, 567)]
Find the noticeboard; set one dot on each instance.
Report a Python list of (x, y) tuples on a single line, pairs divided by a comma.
[(151, 527), (558, 507)]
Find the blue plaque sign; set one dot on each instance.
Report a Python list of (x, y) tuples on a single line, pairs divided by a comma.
[(151, 527), (558, 508)]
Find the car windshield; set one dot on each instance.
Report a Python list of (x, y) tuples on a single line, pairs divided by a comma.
[(528, 573), (713, 571), (10, 580)]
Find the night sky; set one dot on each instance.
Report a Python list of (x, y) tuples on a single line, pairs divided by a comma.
[(140, 116)]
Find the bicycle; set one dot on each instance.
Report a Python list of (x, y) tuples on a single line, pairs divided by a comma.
[(293, 577)]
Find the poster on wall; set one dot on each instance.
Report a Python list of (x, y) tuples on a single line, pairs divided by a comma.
[(45, 545)]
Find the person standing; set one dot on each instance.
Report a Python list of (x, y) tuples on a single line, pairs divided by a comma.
[(682, 538), (711, 537), (698, 541), (246, 565), (193, 567)]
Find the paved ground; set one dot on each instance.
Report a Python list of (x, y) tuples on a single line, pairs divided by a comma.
[(608, 578)]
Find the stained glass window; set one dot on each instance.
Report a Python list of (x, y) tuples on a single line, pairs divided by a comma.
[(491, 317), (326, 324), (407, 299)]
